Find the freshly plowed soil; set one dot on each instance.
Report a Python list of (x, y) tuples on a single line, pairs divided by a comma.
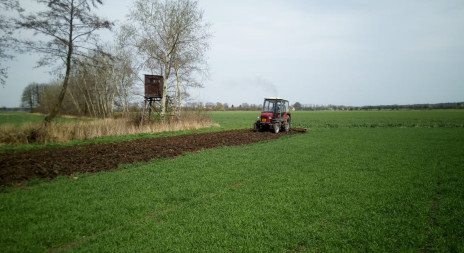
[(18, 167)]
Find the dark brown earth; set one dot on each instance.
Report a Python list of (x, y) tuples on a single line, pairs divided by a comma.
[(19, 167)]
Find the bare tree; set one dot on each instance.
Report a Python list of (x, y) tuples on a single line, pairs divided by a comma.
[(91, 86), (31, 96), (126, 71), (48, 95), (6, 31), (70, 27), (189, 64), (164, 32), (189, 57), (100, 83)]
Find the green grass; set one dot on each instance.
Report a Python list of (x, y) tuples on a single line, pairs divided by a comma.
[(245, 119), (372, 119), (389, 181), (351, 119), (382, 189), (20, 118), (235, 119)]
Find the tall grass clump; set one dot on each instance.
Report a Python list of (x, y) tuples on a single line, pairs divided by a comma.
[(62, 132)]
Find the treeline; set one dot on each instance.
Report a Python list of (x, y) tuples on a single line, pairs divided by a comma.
[(209, 106), (98, 78), (99, 85), (311, 107)]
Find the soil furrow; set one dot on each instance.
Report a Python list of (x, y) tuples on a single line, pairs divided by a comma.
[(19, 167)]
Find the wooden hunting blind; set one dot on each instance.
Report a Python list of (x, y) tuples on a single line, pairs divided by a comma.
[(154, 86), (153, 95)]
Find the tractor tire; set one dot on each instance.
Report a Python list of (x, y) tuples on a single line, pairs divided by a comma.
[(276, 127), (256, 127), (287, 125)]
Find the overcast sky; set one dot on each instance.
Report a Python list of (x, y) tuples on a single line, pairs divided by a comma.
[(316, 52)]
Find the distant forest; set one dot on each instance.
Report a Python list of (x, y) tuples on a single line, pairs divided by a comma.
[(298, 106), (459, 105), (313, 107)]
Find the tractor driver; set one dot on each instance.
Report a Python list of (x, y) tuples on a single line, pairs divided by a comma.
[(278, 105)]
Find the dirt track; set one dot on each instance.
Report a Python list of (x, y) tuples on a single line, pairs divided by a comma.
[(18, 167)]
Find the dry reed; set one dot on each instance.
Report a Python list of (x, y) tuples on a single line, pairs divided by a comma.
[(89, 129)]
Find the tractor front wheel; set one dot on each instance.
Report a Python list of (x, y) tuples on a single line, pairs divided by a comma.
[(276, 127), (256, 127), (287, 125)]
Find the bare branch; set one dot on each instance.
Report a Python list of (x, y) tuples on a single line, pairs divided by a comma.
[(172, 35), (64, 22), (7, 41)]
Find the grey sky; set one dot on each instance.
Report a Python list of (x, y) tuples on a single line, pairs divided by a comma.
[(317, 52)]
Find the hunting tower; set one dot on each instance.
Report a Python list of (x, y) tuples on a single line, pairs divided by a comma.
[(153, 94)]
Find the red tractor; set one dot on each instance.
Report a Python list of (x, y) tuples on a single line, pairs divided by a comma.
[(275, 115)]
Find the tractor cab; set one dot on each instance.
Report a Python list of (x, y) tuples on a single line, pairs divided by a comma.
[(274, 116)]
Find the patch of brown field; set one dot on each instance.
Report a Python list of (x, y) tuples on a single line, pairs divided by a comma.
[(19, 167)]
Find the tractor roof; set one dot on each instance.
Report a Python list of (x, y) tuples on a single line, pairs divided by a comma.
[(275, 98)]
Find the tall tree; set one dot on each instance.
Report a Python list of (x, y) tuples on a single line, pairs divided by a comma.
[(70, 27), (164, 32), (6, 31), (189, 57)]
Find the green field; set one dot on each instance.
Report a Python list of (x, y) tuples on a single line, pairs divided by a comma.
[(353, 119), (386, 181), (20, 118)]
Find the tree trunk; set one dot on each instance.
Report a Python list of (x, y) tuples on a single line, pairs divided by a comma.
[(163, 98), (179, 93), (57, 106), (167, 71), (76, 104)]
